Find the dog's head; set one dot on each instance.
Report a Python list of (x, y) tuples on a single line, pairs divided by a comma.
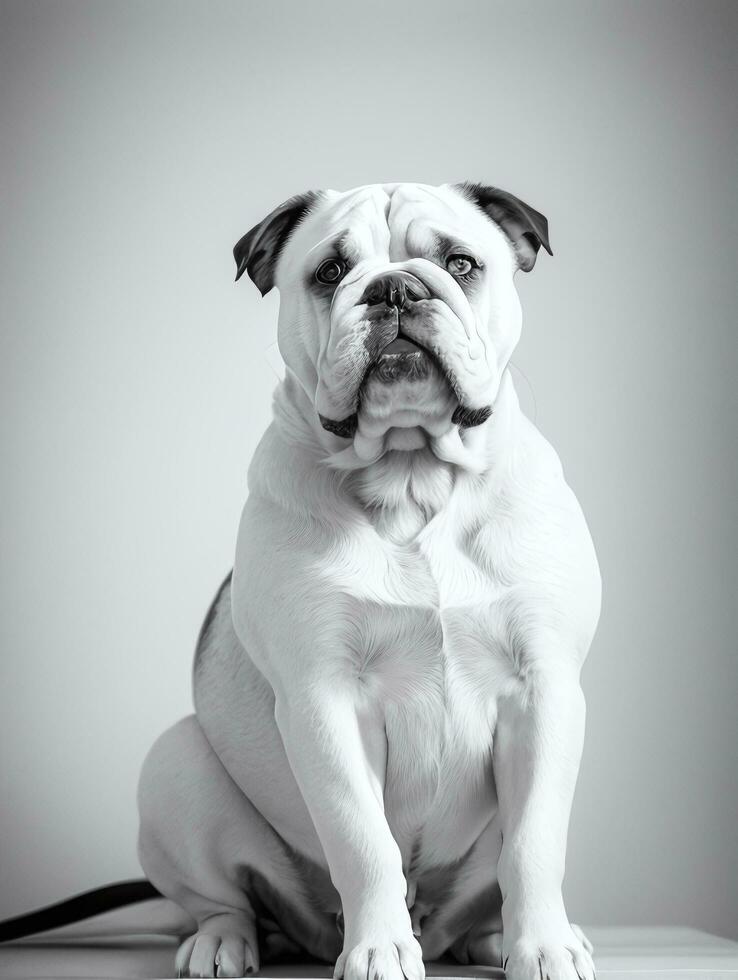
[(398, 312)]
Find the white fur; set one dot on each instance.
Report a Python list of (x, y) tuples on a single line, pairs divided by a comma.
[(401, 690)]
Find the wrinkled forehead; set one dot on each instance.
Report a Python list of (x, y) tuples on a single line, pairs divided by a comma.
[(392, 219)]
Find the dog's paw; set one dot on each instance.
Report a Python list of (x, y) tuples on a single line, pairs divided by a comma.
[(223, 946), (381, 961), (566, 957)]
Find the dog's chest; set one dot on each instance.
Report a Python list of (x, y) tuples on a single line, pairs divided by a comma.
[(433, 658)]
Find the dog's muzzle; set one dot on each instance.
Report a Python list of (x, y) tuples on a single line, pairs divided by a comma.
[(402, 357), (394, 355)]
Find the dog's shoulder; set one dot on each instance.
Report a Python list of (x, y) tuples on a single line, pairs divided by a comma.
[(526, 538)]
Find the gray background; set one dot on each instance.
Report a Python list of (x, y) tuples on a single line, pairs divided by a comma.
[(139, 143)]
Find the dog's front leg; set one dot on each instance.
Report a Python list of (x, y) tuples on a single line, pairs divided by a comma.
[(338, 753), (538, 745)]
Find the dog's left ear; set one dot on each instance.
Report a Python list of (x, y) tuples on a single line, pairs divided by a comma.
[(526, 228), (257, 252)]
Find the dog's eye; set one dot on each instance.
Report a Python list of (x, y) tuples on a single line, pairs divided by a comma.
[(460, 265), (330, 271)]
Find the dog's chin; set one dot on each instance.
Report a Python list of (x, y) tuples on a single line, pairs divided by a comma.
[(405, 401), (406, 405), (390, 383)]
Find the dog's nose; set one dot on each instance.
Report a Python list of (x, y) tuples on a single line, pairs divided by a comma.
[(395, 289)]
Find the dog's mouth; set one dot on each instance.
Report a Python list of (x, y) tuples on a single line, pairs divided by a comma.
[(402, 359), (402, 345)]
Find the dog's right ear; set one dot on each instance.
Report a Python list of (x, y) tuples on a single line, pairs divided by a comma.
[(257, 252)]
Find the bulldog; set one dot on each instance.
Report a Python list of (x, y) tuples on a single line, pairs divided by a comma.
[(388, 714)]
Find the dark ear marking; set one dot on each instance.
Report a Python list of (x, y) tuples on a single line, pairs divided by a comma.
[(257, 252), (526, 228)]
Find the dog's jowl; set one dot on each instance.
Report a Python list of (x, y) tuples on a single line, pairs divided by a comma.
[(389, 718)]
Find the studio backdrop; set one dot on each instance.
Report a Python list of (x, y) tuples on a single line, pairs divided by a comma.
[(139, 142)]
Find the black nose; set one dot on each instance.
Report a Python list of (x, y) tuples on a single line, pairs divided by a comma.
[(394, 289)]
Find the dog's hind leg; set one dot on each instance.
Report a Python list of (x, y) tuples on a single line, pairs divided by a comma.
[(205, 846)]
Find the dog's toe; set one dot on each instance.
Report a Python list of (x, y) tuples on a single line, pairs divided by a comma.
[(549, 959), (577, 930), (382, 961), (234, 958), (217, 952), (202, 958)]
